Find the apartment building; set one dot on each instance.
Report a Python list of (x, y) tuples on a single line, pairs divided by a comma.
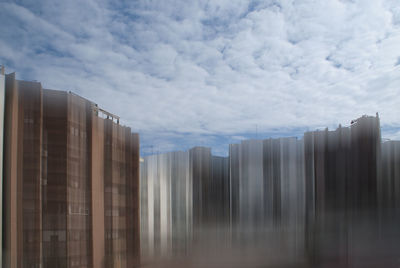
[(71, 178)]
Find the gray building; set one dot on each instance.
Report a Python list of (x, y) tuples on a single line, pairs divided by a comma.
[(267, 182), (166, 204), (182, 195), (389, 186)]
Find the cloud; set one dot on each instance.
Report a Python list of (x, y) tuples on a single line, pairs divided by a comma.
[(185, 73)]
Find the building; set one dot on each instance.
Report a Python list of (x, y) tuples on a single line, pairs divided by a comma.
[(166, 204), (314, 199), (248, 183), (200, 170), (182, 194), (211, 198), (71, 178), (22, 223), (342, 166), (267, 182), (2, 95), (220, 190), (389, 186), (342, 173)]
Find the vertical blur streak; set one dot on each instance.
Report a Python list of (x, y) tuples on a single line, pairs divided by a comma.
[(330, 199), (166, 204), (2, 95)]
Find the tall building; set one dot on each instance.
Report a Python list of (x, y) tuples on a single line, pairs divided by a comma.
[(71, 181), (314, 199), (284, 182), (389, 186), (250, 182), (121, 196), (220, 190), (366, 158), (342, 169), (200, 170), (182, 193), (342, 166), (2, 95), (22, 174), (166, 204), (267, 182)]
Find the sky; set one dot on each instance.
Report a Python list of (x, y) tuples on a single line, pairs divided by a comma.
[(211, 73)]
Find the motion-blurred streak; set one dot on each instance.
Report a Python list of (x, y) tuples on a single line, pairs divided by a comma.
[(328, 199)]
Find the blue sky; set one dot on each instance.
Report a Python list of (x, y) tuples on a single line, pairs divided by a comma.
[(186, 73)]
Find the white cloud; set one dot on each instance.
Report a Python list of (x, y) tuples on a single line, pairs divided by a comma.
[(213, 67)]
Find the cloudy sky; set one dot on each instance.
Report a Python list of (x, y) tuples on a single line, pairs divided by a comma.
[(186, 73)]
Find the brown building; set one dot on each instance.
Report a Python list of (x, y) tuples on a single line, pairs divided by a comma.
[(22, 174), (70, 181)]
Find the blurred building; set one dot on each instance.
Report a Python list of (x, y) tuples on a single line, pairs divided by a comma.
[(247, 179), (200, 168), (71, 175), (182, 193), (342, 166), (283, 169), (267, 182), (314, 200), (342, 172), (220, 190), (389, 186), (166, 204), (268, 193)]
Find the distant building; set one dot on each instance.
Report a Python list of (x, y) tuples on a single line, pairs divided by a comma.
[(166, 212), (342, 172), (248, 183), (342, 166), (268, 193), (267, 182), (220, 191), (181, 193), (166, 204), (201, 177), (389, 186)]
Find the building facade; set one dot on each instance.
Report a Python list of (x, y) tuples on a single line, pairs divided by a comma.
[(2, 95), (71, 181)]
